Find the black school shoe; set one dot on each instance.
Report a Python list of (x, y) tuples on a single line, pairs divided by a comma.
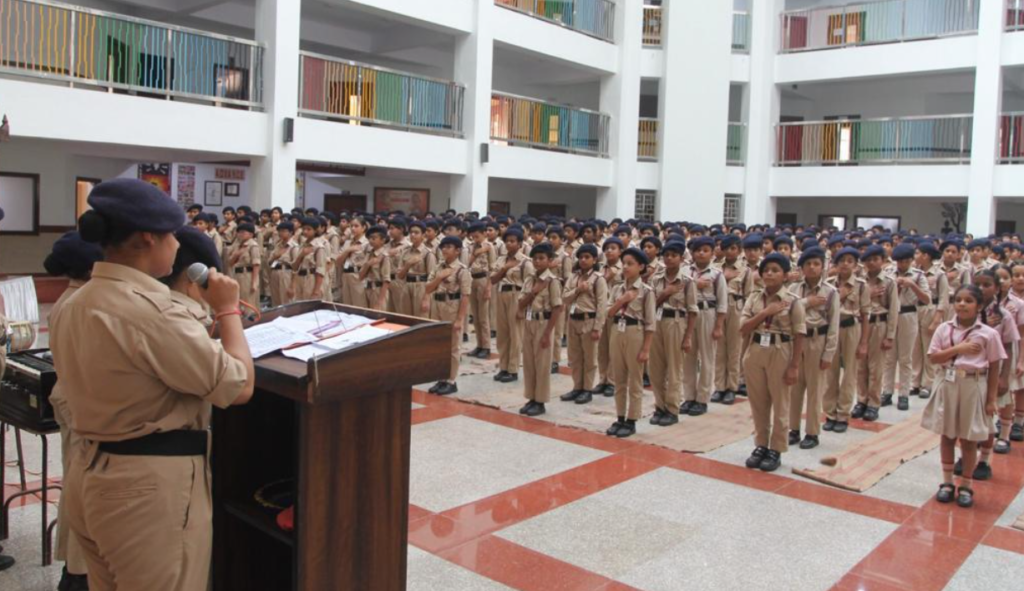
[(871, 414), (829, 425), (554, 367), (609, 390), (474, 352), (615, 427), (858, 410), (584, 397), (886, 399), (754, 461), (965, 497), (915, 391), (447, 388), (904, 403), (508, 377), (484, 354), (809, 442), (529, 404), (668, 419), (465, 338), (433, 389), (945, 494), (684, 408), (627, 429), (1017, 432), (716, 396), (771, 462), (794, 437), (656, 417), (499, 375), (924, 394), (536, 410), (647, 381), (983, 471), (742, 391), (697, 409), (728, 398), (841, 427), (70, 582), (570, 396)]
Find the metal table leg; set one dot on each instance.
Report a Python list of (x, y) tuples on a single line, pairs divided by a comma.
[(21, 458), (47, 549)]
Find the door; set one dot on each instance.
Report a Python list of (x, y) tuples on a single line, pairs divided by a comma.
[(539, 210), (338, 203), (785, 218), (1006, 227)]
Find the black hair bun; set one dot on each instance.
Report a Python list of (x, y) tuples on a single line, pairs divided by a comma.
[(93, 227), (54, 267)]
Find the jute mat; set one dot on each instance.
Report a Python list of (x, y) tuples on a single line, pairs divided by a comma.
[(864, 464), (1019, 524)]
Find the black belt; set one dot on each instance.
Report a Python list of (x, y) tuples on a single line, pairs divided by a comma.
[(349, 270), (878, 318), (370, 284), (303, 273), (935, 301), (707, 305), (848, 322), (672, 313), (583, 316), (167, 443), (739, 297), (908, 309), (242, 269), (772, 337), (541, 315), (447, 297), (281, 267), (509, 288), (478, 275), (629, 321), (415, 278), (817, 332)]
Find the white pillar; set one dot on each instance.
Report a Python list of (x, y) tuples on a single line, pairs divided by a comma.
[(620, 98), (694, 109), (762, 112), (277, 28), (474, 62), (988, 99)]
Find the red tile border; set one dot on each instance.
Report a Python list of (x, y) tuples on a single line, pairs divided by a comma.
[(1005, 538)]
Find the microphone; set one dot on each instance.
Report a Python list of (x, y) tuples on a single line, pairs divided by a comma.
[(198, 273)]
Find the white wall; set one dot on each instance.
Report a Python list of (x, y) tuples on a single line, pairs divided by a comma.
[(579, 201), (317, 186), (886, 97)]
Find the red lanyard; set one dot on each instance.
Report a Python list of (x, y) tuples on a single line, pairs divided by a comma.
[(952, 344), (764, 304)]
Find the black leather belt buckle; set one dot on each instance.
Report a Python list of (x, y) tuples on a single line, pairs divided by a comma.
[(168, 443)]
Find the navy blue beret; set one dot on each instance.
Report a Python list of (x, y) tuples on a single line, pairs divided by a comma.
[(378, 230), (753, 241), (846, 251), (809, 243), (477, 227), (873, 251), (135, 205), (728, 241), (72, 256), (637, 254), (978, 242), (554, 229), (286, 226), (418, 224), (329, 215), (311, 222), (612, 241), (587, 249), (811, 253), (698, 228), (195, 207), (838, 239), (677, 246), (929, 249), (784, 239), (903, 252), (998, 250), (700, 242), (951, 242), (514, 232), (884, 239), (247, 227), (651, 240), (780, 259), (543, 248), (195, 247), (451, 241)]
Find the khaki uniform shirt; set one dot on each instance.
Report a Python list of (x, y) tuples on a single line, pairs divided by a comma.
[(425, 261), (938, 286), (381, 271), (717, 292), (548, 299), (642, 308), (854, 296), (792, 321), (516, 275), (56, 395), (133, 362), (396, 252), (357, 259), (956, 277), (458, 282), (218, 242), (316, 261), (562, 266), (284, 255), (886, 303), (685, 299), (613, 274), (196, 310), (906, 295), (228, 232), (827, 314), (247, 254), (594, 299), (481, 258)]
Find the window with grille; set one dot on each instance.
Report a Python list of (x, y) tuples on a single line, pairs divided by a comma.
[(731, 215), (644, 206)]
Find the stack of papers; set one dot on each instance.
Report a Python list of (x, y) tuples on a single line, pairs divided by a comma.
[(349, 339), (321, 326)]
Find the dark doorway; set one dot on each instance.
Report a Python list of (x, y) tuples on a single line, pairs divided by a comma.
[(338, 203), (539, 210), (785, 218)]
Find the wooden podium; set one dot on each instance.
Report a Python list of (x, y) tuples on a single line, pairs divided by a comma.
[(339, 428)]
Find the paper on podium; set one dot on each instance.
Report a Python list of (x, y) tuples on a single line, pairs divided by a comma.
[(267, 338), (323, 323), (282, 333), (342, 341)]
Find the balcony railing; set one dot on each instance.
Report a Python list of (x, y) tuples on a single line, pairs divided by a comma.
[(652, 26), (88, 47), (647, 148), (888, 21), (362, 94), (590, 17), (523, 121), (1011, 138), (1015, 15), (735, 144), (943, 139), (740, 32)]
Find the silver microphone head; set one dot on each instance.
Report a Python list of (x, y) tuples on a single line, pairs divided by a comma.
[(198, 273)]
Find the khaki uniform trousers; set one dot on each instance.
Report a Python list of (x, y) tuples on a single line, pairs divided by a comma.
[(373, 296), (305, 287), (810, 385), (398, 297), (924, 370), (604, 358), (142, 522), (245, 288), (481, 311), (265, 274), (68, 548), (536, 361), (728, 350), (699, 363), (556, 340), (414, 295), (870, 370), (627, 372), (769, 397), (901, 357), (280, 281), (842, 376), (666, 364), (510, 330), (448, 312), (329, 281), (582, 353), (493, 307), (353, 291)]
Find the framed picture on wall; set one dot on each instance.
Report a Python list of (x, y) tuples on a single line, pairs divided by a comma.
[(232, 189), (408, 201), (19, 198), (500, 207), (213, 193), (892, 224)]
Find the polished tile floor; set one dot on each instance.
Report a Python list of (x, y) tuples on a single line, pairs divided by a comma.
[(500, 502)]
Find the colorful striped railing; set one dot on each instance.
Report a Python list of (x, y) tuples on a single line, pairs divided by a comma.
[(735, 154), (941, 139), (647, 147), (1011, 138), (524, 121), (590, 17), (361, 93), (652, 26), (91, 47), (1015, 15)]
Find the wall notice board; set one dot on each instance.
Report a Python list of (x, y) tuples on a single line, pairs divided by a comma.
[(19, 198)]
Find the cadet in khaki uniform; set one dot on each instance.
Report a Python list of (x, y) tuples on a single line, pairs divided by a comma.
[(282, 264), (633, 318), (881, 327), (481, 259), (206, 223), (510, 272), (753, 248), (193, 247), (854, 308), (139, 374), (448, 289), (398, 243), (310, 277), (227, 230), (494, 238), (912, 292), (712, 307), (956, 273), (351, 260), (376, 272), (245, 264), (774, 321), (821, 308), (416, 264), (676, 309), (728, 350), (73, 258), (561, 268), (586, 296), (540, 306), (612, 251), (929, 317)]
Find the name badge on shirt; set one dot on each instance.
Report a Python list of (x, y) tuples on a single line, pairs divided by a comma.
[(765, 340), (348, 264), (572, 309), (950, 374), (529, 313), (659, 313), (622, 324)]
